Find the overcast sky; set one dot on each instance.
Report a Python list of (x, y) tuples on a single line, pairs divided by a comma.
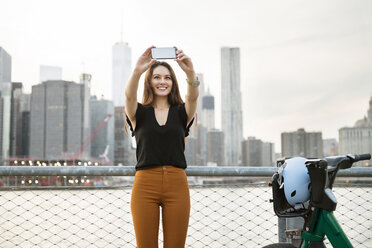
[(304, 64)]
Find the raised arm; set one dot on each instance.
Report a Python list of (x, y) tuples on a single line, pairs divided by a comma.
[(143, 63), (192, 95)]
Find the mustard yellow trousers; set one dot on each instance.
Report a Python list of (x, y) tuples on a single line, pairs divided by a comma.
[(165, 188)]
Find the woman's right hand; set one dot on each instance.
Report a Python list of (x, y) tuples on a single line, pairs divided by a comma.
[(144, 61)]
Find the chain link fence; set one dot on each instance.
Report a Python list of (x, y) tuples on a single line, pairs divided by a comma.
[(222, 215)]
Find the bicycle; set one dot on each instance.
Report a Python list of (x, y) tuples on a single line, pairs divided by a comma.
[(317, 206)]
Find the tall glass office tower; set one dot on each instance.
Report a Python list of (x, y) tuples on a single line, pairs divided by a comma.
[(5, 101), (57, 119), (231, 106), (121, 69)]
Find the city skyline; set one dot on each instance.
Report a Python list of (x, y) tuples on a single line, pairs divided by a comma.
[(303, 64)]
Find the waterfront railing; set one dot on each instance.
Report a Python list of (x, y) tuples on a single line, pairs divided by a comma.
[(229, 207)]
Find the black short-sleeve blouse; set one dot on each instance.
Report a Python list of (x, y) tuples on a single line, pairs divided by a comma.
[(160, 145)]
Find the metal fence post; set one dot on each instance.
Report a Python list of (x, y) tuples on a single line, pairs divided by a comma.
[(294, 223), (282, 225)]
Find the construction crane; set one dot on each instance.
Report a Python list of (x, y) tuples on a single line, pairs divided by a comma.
[(88, 140)]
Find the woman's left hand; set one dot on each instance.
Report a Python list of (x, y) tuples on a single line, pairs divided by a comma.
[(185, 63)]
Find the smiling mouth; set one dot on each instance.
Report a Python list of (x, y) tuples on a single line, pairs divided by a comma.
[(162, 88)]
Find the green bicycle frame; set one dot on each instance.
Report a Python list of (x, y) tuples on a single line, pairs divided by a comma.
[(325, 225)]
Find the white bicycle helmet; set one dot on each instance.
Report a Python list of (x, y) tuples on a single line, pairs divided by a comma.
[(296, 181)]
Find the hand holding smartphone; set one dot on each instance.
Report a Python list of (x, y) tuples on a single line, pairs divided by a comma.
[(164, 53)]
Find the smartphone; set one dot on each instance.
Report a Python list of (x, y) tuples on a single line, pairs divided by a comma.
[(163, 52)]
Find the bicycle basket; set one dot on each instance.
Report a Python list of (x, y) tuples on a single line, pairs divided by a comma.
[(282, 208)]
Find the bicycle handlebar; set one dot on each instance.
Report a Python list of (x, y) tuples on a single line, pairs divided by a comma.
[(356, 158), (322, 174), (344, 162)]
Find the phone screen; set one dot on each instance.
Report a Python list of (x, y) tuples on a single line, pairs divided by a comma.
[(163, 53)]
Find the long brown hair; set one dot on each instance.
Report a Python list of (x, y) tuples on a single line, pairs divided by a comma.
[(174, 97)]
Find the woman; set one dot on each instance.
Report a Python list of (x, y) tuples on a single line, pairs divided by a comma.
[(160, 125)]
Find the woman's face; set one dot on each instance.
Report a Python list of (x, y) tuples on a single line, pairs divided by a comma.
[(161, 81)]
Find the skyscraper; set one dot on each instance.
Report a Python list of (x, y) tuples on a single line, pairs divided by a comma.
[(6, 95), (124, 154), (104, 140), (231, 106), (268, 154), (357, 139), (85, 85), (191, 151), (5, 66), (201, 145), (121, 69), (215, 147), (208, 111), (57, 120), (19, 133), (255, 152), (252, 152), (301, 143), (5, 98)]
